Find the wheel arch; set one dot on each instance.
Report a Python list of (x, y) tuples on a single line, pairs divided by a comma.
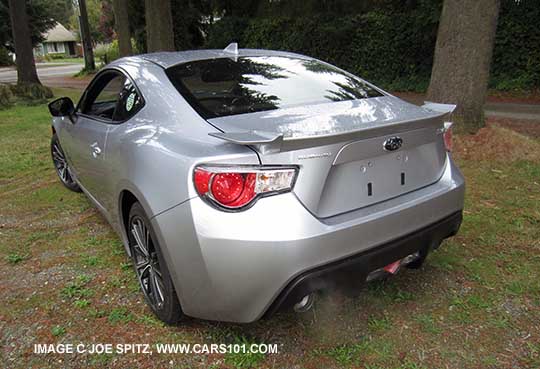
[(126, 198)]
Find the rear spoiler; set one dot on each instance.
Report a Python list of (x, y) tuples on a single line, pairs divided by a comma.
[(270, 142), (448, 109), (266, 142), (441, 108)]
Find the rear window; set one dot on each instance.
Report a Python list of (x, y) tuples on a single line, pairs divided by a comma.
[(229, 86)]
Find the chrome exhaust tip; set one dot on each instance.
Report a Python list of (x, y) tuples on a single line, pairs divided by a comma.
[(392, 268), (305, 304)]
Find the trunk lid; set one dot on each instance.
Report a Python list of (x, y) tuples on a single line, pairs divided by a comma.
[(351, 154)]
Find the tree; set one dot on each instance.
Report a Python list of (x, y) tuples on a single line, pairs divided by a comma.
[(40, 19), (26, 67), (462, 59), (100, 20), (105, 25), (190, 25), (241, 8), (137, 24), (60, 10), (121, 20), (89, 63), (159, 25)]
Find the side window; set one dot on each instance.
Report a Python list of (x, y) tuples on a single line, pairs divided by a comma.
[(103, 96), (129, 102)]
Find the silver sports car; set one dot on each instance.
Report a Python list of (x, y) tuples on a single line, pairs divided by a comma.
[(245, 181)]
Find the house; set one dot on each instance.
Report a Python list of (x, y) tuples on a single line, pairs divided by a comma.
[(57, 41)]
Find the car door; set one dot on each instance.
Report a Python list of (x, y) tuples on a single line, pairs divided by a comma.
[(129, 103), (87, 143)]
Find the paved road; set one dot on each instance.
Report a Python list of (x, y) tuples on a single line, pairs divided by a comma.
[(45, 72), (513, 111)]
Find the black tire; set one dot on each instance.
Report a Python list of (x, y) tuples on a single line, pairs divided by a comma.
[(61, 165), (151, 269)]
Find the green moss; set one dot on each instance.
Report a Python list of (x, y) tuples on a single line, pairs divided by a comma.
[(32, 92), (6, 96)]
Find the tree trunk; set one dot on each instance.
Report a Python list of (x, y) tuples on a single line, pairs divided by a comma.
[(121, 21), (462, 59), (89, 63), (159, 26), (26, 67)]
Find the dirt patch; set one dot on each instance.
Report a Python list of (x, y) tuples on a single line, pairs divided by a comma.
[(496, 142), (529, 128), (79, 83)]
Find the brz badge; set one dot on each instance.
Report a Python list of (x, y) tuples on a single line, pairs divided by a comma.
[(393, 143), (314, 156)]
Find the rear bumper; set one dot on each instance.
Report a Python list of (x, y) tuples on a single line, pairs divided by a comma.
[(357, 267), (238, 266)]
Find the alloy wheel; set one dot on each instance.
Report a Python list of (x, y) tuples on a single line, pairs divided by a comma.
[(147, 264), (61, 165)]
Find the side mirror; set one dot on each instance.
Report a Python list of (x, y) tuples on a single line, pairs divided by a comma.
[(62, 107)]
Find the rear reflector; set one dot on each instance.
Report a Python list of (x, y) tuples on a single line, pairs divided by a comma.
[(238, 187)]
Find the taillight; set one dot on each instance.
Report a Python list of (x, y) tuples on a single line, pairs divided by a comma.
[(447, 136), (238, 187)]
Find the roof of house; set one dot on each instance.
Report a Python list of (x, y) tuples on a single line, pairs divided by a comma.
[(59, 33)]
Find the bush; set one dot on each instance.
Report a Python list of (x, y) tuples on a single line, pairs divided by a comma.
[(52, 57), (5, 58), (106, 53), (6, 96), (516, 57)]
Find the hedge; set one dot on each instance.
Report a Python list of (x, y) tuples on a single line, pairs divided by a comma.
[(516, 57), (393, 50)]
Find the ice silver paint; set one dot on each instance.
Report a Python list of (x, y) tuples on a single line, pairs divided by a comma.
[(230, 266)]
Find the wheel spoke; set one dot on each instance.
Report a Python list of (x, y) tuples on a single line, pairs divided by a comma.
[(151, 287), (137, 230), (144, 278), (158, 283), (142, 266), (57, 154), (57, 150), (63, 173), (61, 164), (59, 158), (69, 177), (157, 293), (147, 264)]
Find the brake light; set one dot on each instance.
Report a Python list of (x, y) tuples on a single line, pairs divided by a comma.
[(238, 187), (447, 136)]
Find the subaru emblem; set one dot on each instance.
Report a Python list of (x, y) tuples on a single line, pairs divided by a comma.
[(393, 143)]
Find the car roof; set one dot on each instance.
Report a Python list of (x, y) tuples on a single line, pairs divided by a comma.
[(169, 59)]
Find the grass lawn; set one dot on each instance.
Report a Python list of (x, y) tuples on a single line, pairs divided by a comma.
[(66, 60), (475, 304)]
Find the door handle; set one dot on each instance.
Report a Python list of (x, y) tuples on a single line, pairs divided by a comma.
[(96, 150)]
